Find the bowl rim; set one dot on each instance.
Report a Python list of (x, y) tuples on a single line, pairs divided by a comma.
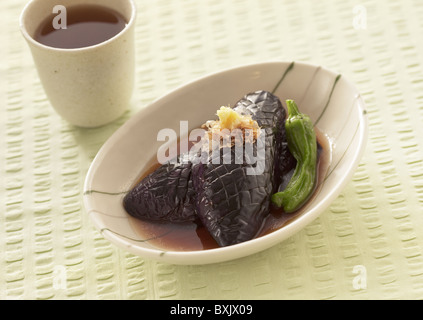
[(252, 246)]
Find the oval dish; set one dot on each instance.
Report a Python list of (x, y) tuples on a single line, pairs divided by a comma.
[(332, 102)]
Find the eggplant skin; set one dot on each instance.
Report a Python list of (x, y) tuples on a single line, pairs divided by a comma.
[(164, 195), (225, 197), (271, 117), (232, 204)]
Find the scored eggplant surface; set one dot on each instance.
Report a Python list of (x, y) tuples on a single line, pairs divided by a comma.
[(230, 203), (166, 194)]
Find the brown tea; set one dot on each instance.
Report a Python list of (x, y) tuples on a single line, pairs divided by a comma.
[(86, 25)]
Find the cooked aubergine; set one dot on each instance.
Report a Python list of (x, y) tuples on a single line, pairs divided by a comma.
[(230, 198), (166, 194), (232, 203)]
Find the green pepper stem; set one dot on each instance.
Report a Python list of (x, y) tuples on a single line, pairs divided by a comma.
[(292, 108)]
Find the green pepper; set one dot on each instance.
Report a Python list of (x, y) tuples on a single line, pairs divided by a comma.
[(302, 144)]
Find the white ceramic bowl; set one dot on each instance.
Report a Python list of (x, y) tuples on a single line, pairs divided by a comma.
[(333, 103)]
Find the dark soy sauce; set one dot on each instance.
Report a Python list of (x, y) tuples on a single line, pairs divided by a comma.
[(86, 25), (190, 236)]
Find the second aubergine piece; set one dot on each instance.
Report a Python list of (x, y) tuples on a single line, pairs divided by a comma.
[(231, 203)]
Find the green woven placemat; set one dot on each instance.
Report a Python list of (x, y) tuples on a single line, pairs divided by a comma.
[(367, 245)]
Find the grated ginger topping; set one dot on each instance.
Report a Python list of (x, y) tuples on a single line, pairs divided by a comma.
[(230, 119)]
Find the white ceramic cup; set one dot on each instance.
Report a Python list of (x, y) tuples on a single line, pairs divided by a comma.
[(89, 86)]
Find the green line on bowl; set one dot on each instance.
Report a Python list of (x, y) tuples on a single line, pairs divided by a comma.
[(136, 240), (88, 192), (290, 67), (330, 96)]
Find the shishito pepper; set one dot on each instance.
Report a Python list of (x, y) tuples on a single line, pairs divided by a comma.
[(302, 144)]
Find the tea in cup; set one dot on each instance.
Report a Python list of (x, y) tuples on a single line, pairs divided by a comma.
[(85, 56)]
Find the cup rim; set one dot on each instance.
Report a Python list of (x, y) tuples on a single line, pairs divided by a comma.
[(38, 44)]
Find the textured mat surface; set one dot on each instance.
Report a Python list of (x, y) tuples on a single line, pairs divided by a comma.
[(367, 245)]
